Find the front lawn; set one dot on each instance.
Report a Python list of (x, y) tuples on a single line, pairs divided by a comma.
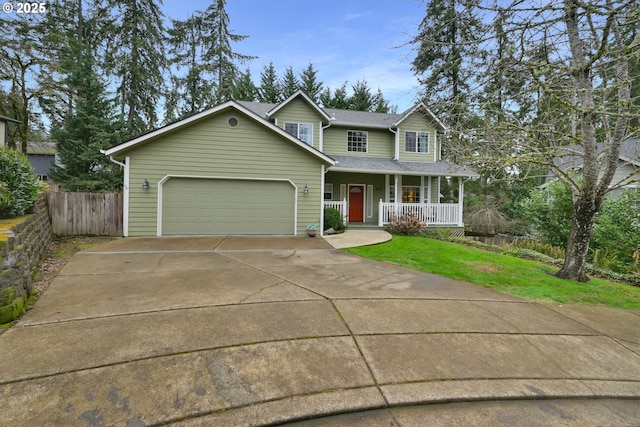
[(515, 276)]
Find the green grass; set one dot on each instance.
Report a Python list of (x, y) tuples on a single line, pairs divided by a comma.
[(527, 279)]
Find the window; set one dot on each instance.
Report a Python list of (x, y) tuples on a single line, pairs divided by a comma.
[(410, 194), (416, 142), (303, 131), (357, 141), (328, 191)]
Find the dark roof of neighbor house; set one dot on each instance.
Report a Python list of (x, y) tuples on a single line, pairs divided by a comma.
[(390, 166), (572, 159), (42, 148)]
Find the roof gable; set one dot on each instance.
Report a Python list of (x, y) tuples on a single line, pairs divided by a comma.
[(299, 94), (415, 108), (149, 137)]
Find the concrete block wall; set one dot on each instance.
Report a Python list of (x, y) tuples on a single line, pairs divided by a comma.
[(20, 256)]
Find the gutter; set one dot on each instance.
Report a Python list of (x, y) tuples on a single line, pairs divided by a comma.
[(122, 165)]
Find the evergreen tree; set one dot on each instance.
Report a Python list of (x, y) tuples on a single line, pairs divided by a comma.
[(85, 131), (193, 91), (20, 68), (137, 57), (338, 99), (380, 105), (447, 41), (269, 90), (289, 84), (245, 89), (309, 83), (361, 99), (218, 55)]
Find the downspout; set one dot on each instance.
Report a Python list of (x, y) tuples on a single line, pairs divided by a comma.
[(125, 196), (322, 128), (396, 139)]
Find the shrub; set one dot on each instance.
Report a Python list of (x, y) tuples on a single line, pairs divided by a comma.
[(19, 184), (333, 219), (407, 225)]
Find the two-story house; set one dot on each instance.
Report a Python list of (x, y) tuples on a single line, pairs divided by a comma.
[(257, 168)]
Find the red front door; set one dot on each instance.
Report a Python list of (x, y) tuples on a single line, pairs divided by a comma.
[(356, 203)]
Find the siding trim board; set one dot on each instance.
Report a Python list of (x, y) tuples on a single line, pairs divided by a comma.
[(223, 178)]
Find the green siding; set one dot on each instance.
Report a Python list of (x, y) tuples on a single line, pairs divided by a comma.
[(380, 142), (418, 123), (298, 111), (210, 148)]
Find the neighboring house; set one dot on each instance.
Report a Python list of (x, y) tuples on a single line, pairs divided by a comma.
[(255, 168), (4, 129), (627, 174), (42, 155)]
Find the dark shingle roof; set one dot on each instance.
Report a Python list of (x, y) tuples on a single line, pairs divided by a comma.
[(342, 117), (390, 166)]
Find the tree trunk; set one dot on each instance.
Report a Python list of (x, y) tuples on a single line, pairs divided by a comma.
[(578, 243)]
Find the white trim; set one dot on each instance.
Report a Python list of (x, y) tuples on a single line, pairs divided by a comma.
[(126, 194), (422, 189), (364, 200), (227, 178), (369, 201), (212, 111), (416, 132), (366, 132), (396, 141), (322, 184), (284, 126)]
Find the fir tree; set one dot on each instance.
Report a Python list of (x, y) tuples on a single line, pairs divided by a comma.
[(309, 83), (137, 57), (245, 89), (218, 55), (269, 90), (85, 131), (289, 84)]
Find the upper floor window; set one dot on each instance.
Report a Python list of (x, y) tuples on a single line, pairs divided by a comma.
[(416, 142), (357, 141), (303, 131)]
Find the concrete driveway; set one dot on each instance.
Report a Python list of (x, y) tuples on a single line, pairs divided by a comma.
[(265, 331)]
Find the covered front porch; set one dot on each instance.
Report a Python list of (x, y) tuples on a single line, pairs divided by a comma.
[(373, 192)]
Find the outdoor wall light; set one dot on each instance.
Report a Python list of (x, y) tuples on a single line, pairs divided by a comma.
[(145, 185), (306, 189)]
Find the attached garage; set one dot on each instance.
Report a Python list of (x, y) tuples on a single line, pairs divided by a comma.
[(218, 206), (225, 171)]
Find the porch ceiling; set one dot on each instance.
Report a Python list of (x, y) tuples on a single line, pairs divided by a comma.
[(381, 165)]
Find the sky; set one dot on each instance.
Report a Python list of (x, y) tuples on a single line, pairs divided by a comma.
[(345, 40)]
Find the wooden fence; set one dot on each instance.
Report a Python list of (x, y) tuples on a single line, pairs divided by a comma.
[(85, 214)]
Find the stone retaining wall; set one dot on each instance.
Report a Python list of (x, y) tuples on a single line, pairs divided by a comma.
[(20, 256)]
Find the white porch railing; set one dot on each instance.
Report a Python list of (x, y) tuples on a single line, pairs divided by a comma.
[(340, 205), (429, 213)]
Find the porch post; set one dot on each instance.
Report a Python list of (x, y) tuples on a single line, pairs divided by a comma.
[(380, 214), (460, 201)]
